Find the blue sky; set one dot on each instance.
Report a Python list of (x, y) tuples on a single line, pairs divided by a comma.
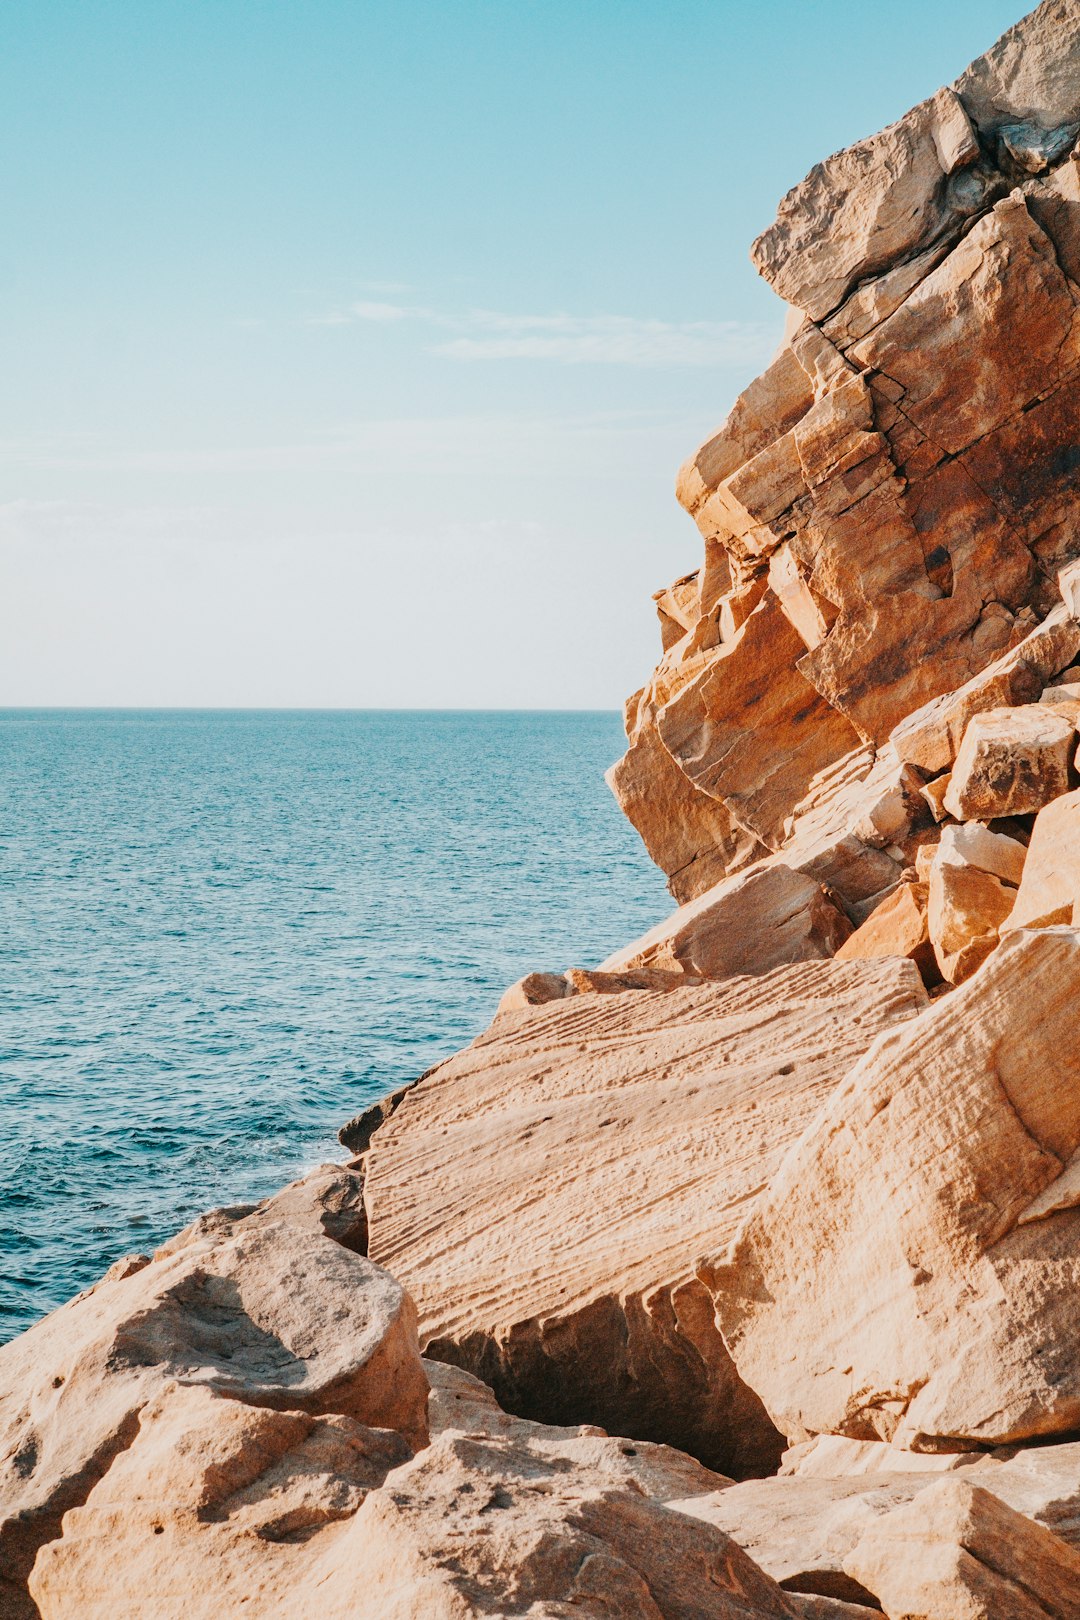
[(350, 349)]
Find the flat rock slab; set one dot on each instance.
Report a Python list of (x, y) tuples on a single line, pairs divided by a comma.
[(544, 1193)]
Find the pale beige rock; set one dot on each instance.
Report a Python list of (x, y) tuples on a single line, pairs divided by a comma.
[(262, 1306), (1050, 887), (1031, 76), (935, 1320), (801, 1530), (543, 1194), (802, 1525), (880, 202), (219, 1508), (934, 793), (759, 919), (958, 1553), (877, 202), (1064, 696), (1010, 763)]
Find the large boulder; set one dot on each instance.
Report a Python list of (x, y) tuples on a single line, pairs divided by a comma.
[(218, 1508), (932, 1203), (262, 1306), (1011, 763), (543, 1194)]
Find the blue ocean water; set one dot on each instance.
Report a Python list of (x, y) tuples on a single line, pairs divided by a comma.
[(223, 933)]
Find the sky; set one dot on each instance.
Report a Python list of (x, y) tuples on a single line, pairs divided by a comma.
[(349, 348)]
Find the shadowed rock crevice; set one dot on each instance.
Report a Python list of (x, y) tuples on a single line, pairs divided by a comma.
[(649, 1368)]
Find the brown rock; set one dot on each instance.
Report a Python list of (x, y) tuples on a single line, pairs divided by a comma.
[(690, 835), (534, 990), (973, 882), (753, 922), (1050, 887), (1011, 762), (261, 1306), (749, 729), (218, 1508), (939, 1317), (543, 1194), (898, 927), (931, 736), (956, 1550)]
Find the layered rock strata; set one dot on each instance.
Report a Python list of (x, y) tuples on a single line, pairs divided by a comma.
[(802, 1164), (542, 1194)]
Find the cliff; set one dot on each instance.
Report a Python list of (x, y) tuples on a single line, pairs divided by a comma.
[(738, 1276)]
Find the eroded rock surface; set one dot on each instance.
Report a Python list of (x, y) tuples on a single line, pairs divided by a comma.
[(219, 1508), (261, 1306), (942, 1309), (543, 1194), (885, 509)]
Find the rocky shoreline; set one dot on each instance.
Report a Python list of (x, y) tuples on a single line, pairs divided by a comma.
[(739, 1276)]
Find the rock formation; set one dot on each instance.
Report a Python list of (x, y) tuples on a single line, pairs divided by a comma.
[(543, 1195), (791, 1183)]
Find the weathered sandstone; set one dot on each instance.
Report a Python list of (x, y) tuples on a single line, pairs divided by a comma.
[(940, 1316), (1011, 762), (219, 1508), (973, 882), (543, 1194), (749, 1178), (956, 1552), (1050, 886), (897, 927), (262, 1306)]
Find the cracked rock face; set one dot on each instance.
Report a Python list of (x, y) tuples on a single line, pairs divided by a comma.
[(884, 511)]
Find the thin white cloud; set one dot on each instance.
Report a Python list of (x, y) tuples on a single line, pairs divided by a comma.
[(608, 340)]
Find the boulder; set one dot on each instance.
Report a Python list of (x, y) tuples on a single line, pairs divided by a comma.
[(219, 1508), (1011, 762), (802, 1525), (877, 202), (534, 990), (973, 882), (956, 1550), (543, 1194), (262, 1306), (898, 927), (941, 1316), (1050, 886), (750, 923), (930, 736)]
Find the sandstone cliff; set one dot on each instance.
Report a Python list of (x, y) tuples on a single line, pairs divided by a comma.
[(786, 1194)]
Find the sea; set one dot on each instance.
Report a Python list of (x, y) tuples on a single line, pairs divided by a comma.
[(223, 933)]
